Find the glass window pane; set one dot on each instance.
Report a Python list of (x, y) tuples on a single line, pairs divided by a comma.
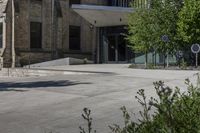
[(74, 37), (121, 3), (36, 35), (74, 2)]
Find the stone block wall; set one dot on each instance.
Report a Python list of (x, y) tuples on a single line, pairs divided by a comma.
[(55, 31), (22, 35), (7, 55)]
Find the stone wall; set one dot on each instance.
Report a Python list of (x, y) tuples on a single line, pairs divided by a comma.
[(55, 31), (22, 34), (32, 57), (7, 55)]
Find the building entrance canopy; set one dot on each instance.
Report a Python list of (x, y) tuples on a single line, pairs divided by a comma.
[(102, 16)]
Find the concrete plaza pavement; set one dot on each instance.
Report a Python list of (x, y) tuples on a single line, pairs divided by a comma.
[(55, 103)]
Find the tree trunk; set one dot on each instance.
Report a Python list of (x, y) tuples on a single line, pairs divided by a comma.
[(167, 60), (164, 60), (153, 58), (146, 59), (155, 63)]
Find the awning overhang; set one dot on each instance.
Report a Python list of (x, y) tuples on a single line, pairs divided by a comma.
[(102, 16)]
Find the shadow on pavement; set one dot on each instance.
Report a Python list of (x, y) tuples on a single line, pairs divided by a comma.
[(1, 89), (8, 86)]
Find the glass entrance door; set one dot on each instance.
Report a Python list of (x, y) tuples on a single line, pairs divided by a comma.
[(121, 48), (113, 45), (112, 48), (116, 48)]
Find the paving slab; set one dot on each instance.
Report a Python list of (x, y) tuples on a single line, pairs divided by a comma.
[(55, 102)]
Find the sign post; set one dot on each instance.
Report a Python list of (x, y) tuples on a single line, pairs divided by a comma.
[(195, 48), (196, 59)]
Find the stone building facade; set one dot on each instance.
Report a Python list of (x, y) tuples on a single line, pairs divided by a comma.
[(42, 30)]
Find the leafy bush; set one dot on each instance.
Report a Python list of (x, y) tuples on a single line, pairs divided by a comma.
[(174, 111), (87, 116), (132, 66), (151, 66), (183, 64)]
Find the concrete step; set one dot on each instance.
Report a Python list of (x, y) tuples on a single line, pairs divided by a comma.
[(61, 62), (24, 72)]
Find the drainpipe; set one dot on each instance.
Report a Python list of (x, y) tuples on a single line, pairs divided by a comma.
[(13, 34)]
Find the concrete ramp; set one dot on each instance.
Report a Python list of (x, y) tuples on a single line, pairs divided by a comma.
[(61, 62)]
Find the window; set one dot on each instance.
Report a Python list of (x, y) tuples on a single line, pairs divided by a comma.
[(35, 35), (36, 0), (74, 37), (74, 2), (1, 35), (36, 9), (121, 3)]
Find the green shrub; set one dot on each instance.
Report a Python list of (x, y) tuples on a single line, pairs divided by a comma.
[(87, 117), (151, 66), (132, 66), (183, 65), (174, 111)]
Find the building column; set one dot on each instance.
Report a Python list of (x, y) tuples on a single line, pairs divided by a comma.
[(104, 46), (13, 34), (2, 20), (52, 31), (4, 32), (97, 49)]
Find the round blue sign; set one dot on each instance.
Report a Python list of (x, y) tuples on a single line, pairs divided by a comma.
[(195, 48), (179, 54), (165, 38)]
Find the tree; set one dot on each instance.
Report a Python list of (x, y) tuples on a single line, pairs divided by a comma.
[(149, 23), (189, 22), (139, 34)]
